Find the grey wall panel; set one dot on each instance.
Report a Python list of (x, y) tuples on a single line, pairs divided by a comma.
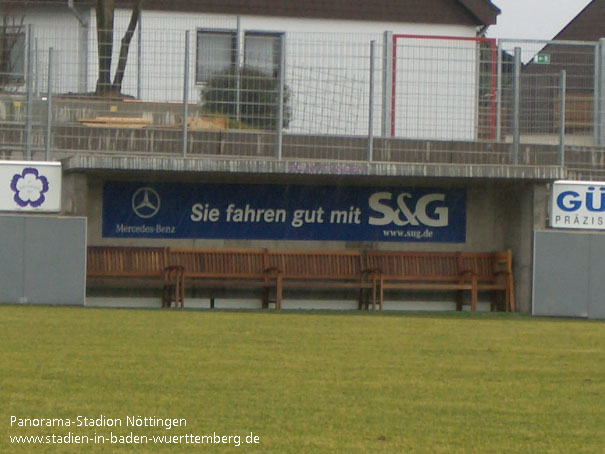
[(12, 237), (560, 277), (569, 274), (43, 260), (55, 260), (596, 272)]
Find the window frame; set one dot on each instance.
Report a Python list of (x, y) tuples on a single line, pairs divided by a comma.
[(17, 56), (201, 79), (279, 37)]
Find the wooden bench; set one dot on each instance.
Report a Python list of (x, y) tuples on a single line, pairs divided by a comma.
[(371, 273), (174, 286), (226, 268), (323, 270), (493, 272), (445, 271), (127, 267)]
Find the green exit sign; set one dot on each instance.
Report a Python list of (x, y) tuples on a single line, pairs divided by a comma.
[(542, 59)]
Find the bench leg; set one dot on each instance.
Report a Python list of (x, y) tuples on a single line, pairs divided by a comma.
[(474, 294), (278, 293), (373, 298), (167, 296), (380, 292), (180, 291), (459, 300), (174, 287), (266, 293), (374, 294), (362, 299), (494, 304), (173, 293), (500, 301), (511, 294), (377, 294)]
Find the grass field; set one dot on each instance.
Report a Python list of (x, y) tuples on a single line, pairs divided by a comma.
[(304, 382)]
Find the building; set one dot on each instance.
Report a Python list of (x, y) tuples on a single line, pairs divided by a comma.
[(326, 51), (577, 50)]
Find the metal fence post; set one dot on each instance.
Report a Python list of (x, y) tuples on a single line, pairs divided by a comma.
[(600, 94), (499, 94), (371, 104), (83, 57), (49, 101), (387, 83), (186, 94), (516, 106), (140, 57), (596, 95), (280, 98), (562, 90), (36, 66), (29, 94), (238, 69)]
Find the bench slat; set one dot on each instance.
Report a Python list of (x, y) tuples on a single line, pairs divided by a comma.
[(279, 269), (445, 271), (116, 261)]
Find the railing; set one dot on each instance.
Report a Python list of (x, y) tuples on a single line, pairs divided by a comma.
[(382, 97)]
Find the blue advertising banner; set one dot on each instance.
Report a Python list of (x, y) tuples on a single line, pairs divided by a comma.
[(283, 212)]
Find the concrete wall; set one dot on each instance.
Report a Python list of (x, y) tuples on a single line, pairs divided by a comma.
[(500, 215)]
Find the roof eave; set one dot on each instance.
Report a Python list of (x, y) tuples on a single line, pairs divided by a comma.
[(484, 11)]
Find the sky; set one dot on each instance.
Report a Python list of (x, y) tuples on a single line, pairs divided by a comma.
[(534, 19)]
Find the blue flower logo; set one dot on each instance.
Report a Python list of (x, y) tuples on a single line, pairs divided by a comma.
[(29, 188)]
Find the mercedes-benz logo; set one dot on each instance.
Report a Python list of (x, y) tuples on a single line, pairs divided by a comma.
[(145, 202)]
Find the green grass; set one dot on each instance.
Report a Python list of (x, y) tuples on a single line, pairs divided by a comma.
[(308, 382)]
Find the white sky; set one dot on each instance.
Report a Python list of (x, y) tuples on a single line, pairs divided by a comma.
[(534, 19)]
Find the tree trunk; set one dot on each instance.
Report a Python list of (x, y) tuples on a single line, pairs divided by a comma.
[(105, 11), (134, 19)]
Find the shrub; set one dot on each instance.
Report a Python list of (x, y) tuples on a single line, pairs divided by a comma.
[(259, 98)]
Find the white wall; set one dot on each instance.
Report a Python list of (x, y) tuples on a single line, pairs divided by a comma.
[(57, 27), (327, 68), (328, 72)]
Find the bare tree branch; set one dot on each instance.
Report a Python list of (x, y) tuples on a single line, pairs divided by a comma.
[(105, 32), (105, 14), (134, 19)]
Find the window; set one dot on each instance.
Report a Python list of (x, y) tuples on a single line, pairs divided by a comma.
[(216, 52), (12, 55), (263, 52)]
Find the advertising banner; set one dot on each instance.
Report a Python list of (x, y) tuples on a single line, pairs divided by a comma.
[(30, 186), (283, 212), (578, 205)]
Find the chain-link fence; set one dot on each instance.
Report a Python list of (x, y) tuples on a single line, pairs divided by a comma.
[(217, 88), (542, 67)]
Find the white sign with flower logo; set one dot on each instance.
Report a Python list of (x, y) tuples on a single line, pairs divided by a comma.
[(30, 186)]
